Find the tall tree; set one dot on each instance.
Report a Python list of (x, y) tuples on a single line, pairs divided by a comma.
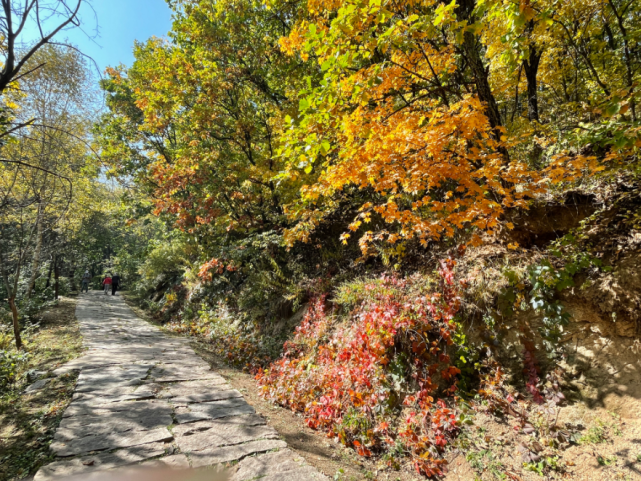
[(17, 47), (414, 107), (197, 119), (419, 120), (43, 162)]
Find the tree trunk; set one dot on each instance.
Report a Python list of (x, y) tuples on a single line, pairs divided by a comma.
[(11, 298), (56, 276), (49, 275), (16, 322), (36, 254), (531, 67), (471, 49)]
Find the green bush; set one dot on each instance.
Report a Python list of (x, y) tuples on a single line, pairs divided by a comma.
[(363, 290), (6, 332), (10, 362)]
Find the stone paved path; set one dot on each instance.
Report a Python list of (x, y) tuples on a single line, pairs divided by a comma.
[(144, 398)]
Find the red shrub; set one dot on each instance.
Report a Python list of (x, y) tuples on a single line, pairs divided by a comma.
[(343, 380)]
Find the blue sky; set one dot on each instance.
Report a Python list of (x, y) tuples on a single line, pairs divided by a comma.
[(116, 24)]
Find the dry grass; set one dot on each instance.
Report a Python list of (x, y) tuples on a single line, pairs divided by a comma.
[(28, 420)]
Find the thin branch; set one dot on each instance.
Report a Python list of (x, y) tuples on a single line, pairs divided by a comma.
[(95, 64), (17, 127), (20, 162), (28, 72)]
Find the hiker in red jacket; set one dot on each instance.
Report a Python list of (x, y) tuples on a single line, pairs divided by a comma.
[(106, 283)]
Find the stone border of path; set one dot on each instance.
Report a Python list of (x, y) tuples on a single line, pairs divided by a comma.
[(146, 400)]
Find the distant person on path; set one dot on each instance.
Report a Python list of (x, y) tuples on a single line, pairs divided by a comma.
[(106, 283), (115, 284), (86, 277)]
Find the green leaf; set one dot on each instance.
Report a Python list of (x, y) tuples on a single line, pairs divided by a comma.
[(564, 284), (442, 11)]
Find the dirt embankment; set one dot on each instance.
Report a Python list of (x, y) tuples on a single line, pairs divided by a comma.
[(600, 358)]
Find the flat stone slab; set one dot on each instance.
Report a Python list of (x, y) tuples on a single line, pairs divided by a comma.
[(101, 442), (215, 410), (281, 465), (115, 391), (188, 388), (130, 370), (36, 386), (222, 435), (114, 418), (177, 372), (95, 360), (117, 378), (100, 462), (97, 399), (105, 384), (206, 397), (70, 430), (127, 410), (214, 456), (141, 408), (134, 384), (195, 427)]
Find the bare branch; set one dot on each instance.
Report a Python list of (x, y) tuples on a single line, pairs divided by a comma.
[(28, 72), (24, 164), (17, 127), (95, 64), (10, 69)]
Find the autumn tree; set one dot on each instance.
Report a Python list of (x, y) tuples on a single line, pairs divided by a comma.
[(18, 46), (420, 103), (45, 161), (196, 122), (198, 118)]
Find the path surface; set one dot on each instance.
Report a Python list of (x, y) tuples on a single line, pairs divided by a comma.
[(145, 398)]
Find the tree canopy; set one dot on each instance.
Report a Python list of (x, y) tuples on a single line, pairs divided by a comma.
[(428, 119)]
